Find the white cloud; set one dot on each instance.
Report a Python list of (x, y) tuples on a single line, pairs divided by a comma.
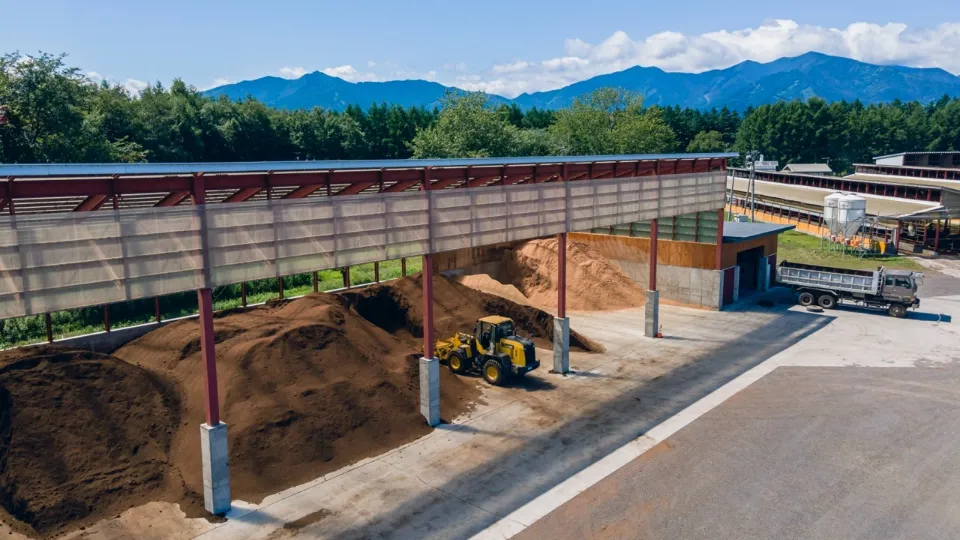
[(134, 86), (371, 64), (891, 43), (350, 73), (292, 72), (217, 81)]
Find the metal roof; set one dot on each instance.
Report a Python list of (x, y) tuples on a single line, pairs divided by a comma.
[(891, 179), (812, 197), (141, 169), (808, 167), (735, 231), (918, 153)]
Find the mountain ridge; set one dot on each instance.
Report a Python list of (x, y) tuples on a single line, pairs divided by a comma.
[(742, 85)]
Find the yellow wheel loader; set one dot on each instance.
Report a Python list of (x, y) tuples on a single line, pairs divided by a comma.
[(494, 350)]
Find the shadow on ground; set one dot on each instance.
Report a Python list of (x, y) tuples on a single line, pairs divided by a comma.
[(474, 500)]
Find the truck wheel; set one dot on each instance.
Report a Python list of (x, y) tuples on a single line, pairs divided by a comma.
[(827, 301), (458, 362), (806, 299), (897, 310), (493, 372)]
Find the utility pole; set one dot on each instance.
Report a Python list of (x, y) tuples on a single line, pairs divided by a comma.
[(753, 186)]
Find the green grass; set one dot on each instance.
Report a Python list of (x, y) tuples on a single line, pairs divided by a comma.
[(803, 248)]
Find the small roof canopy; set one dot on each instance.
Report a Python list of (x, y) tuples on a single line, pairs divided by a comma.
[(735, 232)]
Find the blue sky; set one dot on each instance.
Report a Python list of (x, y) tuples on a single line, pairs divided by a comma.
[(497, 45)]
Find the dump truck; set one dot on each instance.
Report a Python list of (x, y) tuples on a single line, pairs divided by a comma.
[(494, 350), (892, 290)]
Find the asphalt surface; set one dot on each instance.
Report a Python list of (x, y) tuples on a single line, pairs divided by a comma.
[(843, 452)]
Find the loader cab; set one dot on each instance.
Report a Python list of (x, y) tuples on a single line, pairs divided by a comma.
[(490, 330)]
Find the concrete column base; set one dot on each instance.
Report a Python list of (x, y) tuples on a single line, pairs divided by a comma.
[(216, 468), (561, 345), (651, 320), (430, 390)]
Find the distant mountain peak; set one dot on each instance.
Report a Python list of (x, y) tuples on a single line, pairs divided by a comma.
[(745, 84)]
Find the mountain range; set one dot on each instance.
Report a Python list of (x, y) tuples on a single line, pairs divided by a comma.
[(745, 84)]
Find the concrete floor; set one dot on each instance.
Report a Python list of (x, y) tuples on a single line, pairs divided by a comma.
[(486, 474)]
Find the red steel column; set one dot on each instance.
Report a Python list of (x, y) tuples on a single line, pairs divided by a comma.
[(562, 275), (653, 255), (280, 282), (48, 322), (346, 277), (376, 272), (427, 306), (719, 256), (207, 342), (316, 282), (403, 267), (205, 300)]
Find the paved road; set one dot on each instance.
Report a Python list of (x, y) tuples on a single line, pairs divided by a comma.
[(802, 453), (852, 434)]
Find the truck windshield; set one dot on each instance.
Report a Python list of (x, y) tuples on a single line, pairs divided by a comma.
[(506, 329)]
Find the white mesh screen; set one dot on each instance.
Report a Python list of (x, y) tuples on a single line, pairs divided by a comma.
[(60, 261)]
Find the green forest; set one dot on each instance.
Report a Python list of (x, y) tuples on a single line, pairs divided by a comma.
[(51, 113)]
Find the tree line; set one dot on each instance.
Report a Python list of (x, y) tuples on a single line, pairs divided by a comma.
[(51, 112)]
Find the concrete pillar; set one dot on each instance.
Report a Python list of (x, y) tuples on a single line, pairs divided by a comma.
[(561, 345), (430, 390), (651, 322), (736, 283), (216, 468)]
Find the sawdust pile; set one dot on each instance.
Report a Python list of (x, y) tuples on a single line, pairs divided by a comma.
[(593, 282), (485, 283), (307, 386), (397, 307), (83, 436)]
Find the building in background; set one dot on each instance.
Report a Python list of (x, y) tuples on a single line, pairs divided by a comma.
[(949, 160), (819, 169)]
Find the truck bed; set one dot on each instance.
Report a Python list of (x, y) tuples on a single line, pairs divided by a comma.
[(828, 278)]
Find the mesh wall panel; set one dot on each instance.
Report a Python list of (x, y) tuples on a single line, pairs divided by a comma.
[(53, 262)]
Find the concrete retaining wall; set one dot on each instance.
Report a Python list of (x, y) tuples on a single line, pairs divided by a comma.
[(107, 342)]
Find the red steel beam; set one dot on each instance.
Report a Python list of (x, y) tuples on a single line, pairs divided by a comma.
[(353, 189), (401, 186), (302, 191), (92, 202), (243, 194), (173, 199)]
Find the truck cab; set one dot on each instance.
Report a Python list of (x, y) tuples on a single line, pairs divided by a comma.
[(901, 286)]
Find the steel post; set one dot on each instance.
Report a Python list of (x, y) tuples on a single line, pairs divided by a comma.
[(316, 282), (106, 317), (280, 284), (48, 323), (156, 309), (718, 261), (403, 267), (243, 294), (562, 275), (653, 255), (207, 347), (376, 272)]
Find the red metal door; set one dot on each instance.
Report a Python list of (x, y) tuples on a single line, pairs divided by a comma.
[(728, 276)]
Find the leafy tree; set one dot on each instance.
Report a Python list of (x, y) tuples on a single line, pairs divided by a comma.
[(611, 121), (467, 127), (707, 141)]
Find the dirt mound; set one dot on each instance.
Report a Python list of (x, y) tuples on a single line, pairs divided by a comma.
[(485, 283), (593, 282), (306, 386), (397, 308), (82, 436)]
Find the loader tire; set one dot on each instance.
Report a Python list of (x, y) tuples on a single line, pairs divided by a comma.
[(458, 362), (493, 372)]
